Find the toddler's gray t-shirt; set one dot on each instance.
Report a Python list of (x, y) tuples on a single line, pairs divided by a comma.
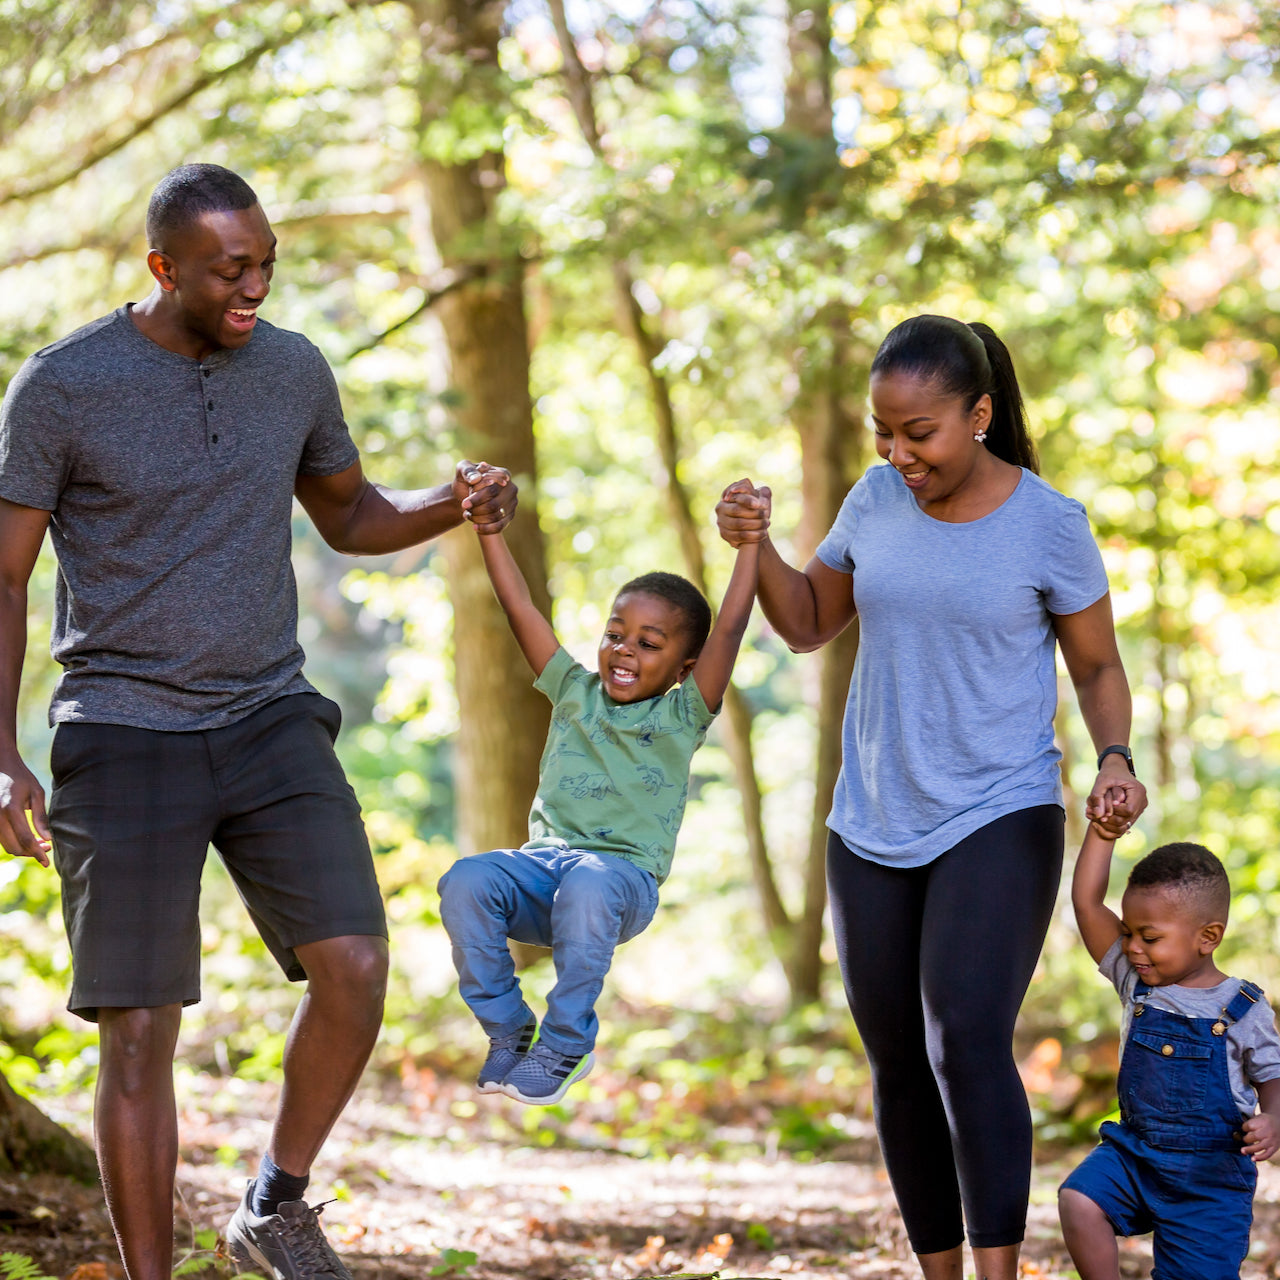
[(949, 723), (1253, 1046)]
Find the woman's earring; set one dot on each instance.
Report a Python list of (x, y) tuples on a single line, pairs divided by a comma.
[(980, 436)]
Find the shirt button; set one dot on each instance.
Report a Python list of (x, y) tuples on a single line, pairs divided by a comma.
[(1167, 1050), (215, 437), (209, 405), (206, 372)]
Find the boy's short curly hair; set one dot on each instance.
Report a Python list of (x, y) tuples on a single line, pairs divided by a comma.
[(681, 594), (1190, 871)]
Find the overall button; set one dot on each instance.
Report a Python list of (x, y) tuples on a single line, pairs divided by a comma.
[(1167, 1050), (1139, 1010)]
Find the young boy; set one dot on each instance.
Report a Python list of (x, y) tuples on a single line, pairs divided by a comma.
[(602, 831), (1200, 1056)]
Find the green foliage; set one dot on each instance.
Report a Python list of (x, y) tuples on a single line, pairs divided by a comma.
[(1101, 189), (17, 1266), (454, 1262)]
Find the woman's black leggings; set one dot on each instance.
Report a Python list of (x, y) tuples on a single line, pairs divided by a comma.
[(936, 960)]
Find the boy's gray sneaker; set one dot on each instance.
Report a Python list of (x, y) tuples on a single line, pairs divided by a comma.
[(505, 1052), (543, 1076), (287, 1245)]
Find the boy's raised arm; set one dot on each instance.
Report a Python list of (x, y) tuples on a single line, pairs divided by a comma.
[(532, 631), (1099, 925), (714, 666)]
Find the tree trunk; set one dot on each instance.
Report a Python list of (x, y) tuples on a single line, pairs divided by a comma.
[(830, 434), (32, 1143), (504, 720)]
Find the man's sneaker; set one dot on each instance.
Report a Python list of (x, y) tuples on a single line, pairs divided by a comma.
[(287, 1245), (505, 1052), (543, 1076)]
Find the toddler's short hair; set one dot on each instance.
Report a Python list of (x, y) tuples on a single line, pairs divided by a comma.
[(1190, 871), (681, 594)]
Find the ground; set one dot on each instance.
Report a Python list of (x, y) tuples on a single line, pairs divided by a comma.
[(420, 1188)]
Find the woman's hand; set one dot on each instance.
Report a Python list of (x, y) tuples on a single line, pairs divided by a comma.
[(742, 514), (1116, 801)]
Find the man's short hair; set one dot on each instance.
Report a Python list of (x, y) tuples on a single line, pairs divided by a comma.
[(1191, 872), (681, 594), (190, 191)]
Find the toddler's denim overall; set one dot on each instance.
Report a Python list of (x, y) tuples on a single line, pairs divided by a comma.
[(1173, 1164)]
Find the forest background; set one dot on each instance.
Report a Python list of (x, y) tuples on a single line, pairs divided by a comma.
[(634, 251)]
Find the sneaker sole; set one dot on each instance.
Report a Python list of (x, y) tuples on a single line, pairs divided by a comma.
[(580, 1072), (245, 1255), (489, 1086)]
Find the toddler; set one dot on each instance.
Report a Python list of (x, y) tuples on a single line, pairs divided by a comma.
[(611, 794), (1199, 1073)]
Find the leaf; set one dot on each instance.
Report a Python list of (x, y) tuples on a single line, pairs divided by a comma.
[(17, 1266)]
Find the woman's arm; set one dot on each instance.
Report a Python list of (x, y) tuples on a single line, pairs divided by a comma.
[(806, 609), (1089, 648)]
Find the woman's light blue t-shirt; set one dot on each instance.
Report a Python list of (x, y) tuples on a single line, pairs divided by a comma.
[(949, 723)]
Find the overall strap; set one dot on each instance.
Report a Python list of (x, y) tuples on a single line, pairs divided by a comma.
[(1243, 1000)]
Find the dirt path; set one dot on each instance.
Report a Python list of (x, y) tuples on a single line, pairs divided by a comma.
[(414, 1182)]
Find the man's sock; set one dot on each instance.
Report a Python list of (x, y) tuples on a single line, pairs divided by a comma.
[(274, 1185)]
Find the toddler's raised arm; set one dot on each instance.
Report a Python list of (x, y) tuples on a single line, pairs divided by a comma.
[(714, 666), (532, 631), (1099, 925)]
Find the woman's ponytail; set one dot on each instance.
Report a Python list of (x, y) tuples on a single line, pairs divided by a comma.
[(1008, 436)]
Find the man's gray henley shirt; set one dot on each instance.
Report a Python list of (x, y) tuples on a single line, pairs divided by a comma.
[(170, 482)]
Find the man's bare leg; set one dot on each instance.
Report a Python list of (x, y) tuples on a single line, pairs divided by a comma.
[(136, 1133), (329, 1043)]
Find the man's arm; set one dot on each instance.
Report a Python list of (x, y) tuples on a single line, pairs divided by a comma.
[(359, 518), (714, 666), (1099, 925), (21, 533), (532, 631)]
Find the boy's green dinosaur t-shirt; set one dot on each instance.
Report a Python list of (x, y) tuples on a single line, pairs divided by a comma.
[(615, 776)]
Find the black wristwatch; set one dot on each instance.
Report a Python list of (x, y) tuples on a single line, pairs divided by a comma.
[(1117, 751)]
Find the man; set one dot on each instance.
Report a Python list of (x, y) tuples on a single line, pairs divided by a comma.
[(162, 445)]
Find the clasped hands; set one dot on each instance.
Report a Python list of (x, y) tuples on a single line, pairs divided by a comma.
[(1115, 803), (488, 495), (742, 514)]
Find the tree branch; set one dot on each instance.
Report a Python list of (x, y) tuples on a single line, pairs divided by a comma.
[(451, 281), (148, 122)]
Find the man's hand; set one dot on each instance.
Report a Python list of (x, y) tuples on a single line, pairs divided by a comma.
[(1261, 1137), (743, 512), (21, 808), (488, 495)]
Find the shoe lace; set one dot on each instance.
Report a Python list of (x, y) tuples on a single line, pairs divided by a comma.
[(554, 1064), (306, 1241)]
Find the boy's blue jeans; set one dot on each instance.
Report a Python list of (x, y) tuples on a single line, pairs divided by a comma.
[(579, 904)]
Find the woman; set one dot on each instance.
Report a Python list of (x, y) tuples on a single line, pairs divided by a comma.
[(964, 569)]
